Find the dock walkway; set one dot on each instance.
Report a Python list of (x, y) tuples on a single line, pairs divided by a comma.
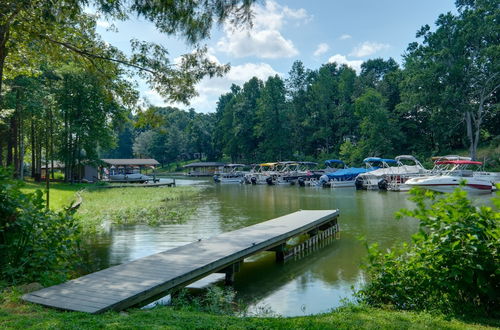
[(128, 284)]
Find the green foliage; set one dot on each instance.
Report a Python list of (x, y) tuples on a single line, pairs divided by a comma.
[(378, 131), (35, 244), (215, 300), (152, 206), (452, 265)]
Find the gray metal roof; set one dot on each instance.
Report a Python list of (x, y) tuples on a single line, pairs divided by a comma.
[(205, 164), (133, 162)]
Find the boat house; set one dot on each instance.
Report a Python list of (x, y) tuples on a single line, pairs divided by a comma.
[(203, 168), (133, 165)]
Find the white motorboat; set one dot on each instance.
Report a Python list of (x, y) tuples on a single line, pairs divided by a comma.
[(378, 168), (408, 167), (454, 173), (230, 173)]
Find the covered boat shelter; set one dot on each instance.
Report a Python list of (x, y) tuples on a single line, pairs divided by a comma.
[(127, 166), (203, 168)]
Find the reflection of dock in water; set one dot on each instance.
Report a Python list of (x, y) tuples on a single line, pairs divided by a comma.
[(131, 283)]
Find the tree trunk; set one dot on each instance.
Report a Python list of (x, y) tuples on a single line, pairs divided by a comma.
[(10, 140), (51, 145), (470, 135), (33, 148), (4, 36), (21, 145)]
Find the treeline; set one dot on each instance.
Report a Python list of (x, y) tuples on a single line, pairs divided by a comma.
[(443, 98), (62, 117)]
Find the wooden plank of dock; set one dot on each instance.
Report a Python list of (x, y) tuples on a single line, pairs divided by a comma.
[(130, 283)]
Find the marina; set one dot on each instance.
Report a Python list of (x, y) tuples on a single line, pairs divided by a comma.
[(378, 174)]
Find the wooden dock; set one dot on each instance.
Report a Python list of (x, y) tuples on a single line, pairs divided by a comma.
[(129, 284)]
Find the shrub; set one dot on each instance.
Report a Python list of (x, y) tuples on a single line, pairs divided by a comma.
[(452, 264), (36, 244), (216, 300)]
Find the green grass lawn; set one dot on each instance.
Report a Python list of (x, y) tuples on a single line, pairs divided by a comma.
[(15, 314), (60, 195)]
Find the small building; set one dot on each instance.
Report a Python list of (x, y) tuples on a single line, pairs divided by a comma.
[(203, 168), (132, 165)]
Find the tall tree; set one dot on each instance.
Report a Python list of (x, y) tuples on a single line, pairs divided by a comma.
[(454, 72), (378, 131), (272, 129)]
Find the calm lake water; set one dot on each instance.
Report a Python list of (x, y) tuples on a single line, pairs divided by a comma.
[(312, 284)]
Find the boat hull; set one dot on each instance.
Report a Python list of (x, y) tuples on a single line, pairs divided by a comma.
[(448, 184)]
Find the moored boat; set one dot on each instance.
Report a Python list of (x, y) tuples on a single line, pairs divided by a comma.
[(454, 173), (342, 178), (378, 167), (230, 173)]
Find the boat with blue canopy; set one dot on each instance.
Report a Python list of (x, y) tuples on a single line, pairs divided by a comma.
[(343, 178), (333, 165)]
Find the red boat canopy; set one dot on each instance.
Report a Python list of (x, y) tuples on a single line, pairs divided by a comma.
[(459, 162)]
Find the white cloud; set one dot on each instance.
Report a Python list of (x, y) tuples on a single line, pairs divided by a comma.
[(264, 39), (263, 44), (103, 24), (341, 59), (368, 48), (322, 48), (298, 14), (345, 37), (209, 90)]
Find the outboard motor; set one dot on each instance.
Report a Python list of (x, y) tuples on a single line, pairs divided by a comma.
[(270, 181), (383, 184), (253, 180), (323, 180), (216, 178), (359, 183), (301, 182)]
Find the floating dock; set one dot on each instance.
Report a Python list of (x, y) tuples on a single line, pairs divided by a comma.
[(131, 283)]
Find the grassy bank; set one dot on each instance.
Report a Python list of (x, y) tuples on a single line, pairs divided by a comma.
[(61, 194), (16, 314), (151, 206)]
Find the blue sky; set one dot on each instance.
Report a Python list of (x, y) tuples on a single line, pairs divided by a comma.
[(314, 32)]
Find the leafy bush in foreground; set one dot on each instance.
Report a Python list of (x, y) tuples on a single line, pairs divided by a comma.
[(452, 265), (35, 244)]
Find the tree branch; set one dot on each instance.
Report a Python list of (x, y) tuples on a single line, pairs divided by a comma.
[(88, 54)]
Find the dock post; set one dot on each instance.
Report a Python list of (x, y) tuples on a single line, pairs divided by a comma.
[(230, 271), (280, 252)]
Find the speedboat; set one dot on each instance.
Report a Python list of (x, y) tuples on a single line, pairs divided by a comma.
[(408, 167), (378, 168), (454, 173), (230, 173)]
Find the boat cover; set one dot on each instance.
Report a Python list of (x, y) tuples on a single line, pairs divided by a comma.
[(400, 170), (347, 173), (337, 161)]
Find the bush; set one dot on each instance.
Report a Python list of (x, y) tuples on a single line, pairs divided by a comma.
[(36, 244), (215, 301), (452, 265)]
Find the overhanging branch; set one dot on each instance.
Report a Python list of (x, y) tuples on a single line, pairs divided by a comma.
[(88, 54)]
